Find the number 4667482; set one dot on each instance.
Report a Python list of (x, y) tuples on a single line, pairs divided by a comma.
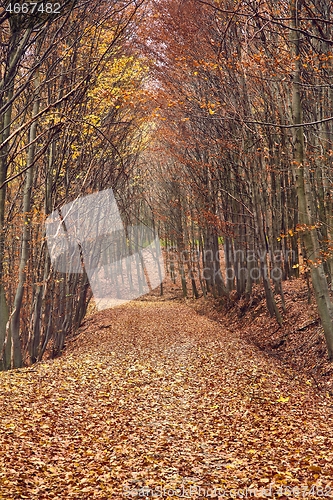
[(30, 8)]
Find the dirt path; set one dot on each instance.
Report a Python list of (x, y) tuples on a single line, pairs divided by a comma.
[(153, 395)]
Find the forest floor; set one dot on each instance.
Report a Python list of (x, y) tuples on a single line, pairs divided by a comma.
[(154, 399), (299, 344)]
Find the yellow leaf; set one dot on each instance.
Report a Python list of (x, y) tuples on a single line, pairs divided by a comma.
[(282, 399)]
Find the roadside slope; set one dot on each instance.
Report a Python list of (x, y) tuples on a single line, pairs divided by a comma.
[(153, 394)]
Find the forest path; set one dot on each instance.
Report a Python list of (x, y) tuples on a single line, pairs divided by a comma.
[(153, 395)]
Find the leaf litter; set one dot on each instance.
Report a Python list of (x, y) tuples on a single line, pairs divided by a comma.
[(152, 394)]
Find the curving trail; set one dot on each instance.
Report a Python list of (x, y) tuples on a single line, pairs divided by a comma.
[(152, 394)]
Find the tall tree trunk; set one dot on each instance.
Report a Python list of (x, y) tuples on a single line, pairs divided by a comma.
[(5, 122), (16, 48), (304, 194), (16, 354)]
